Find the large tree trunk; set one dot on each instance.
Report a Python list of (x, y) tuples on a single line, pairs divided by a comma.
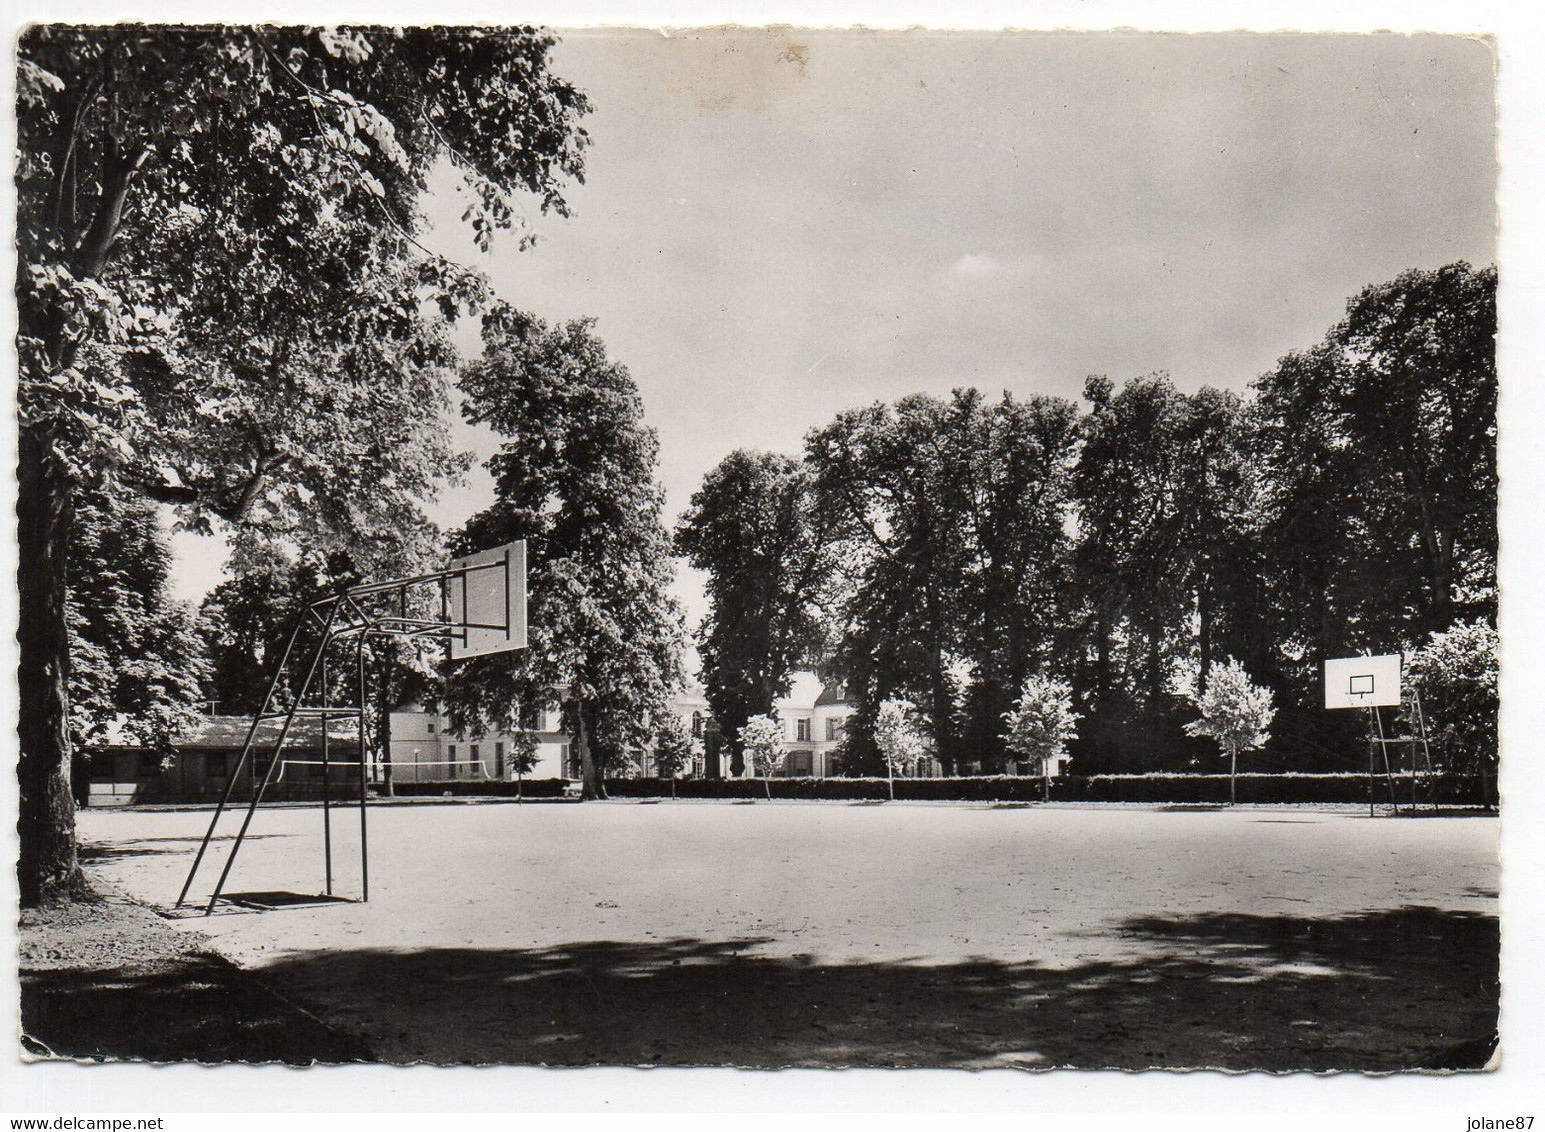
[(46, 865), (1155, 665), (385, 728), (592, 786), (1102, 656), (1204, 632), (393, 685)]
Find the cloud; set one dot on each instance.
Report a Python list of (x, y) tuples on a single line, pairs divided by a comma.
[(975, 265)]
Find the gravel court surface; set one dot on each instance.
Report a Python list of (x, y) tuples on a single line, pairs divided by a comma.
[(540, 932)]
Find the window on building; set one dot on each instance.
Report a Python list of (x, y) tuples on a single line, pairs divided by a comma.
[(833, 730), (450, 753), (431, 726), (801, 731), (697, 725), (214, 764), (801, 764)]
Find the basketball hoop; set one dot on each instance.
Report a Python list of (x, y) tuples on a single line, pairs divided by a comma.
[(482, 611)]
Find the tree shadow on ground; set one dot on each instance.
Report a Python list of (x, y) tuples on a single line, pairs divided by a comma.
[(194, 1008), (92, 852), (1413, 988)]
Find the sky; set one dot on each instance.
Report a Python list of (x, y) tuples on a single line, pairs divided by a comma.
[(776, 225)]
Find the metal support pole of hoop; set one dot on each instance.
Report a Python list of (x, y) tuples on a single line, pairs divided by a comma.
[(1376, 743), (361, 621), (1380, 740)]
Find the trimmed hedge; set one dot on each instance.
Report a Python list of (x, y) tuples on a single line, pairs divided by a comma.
[(1196, 788), (1158, 788), (480, 788)]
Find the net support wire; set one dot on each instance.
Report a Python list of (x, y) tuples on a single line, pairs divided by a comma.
[(397, 767)]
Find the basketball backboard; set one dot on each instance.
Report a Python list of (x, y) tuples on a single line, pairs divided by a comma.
[(1363, 681), (487, 598)]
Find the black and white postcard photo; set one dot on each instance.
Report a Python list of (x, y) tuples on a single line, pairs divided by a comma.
[(762, 548)]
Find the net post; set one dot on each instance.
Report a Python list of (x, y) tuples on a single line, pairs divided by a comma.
[(364, 845), (1421, 724), (327, 790), (1389, 778), (1371, 745)]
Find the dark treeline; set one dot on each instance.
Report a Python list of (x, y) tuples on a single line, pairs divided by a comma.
[(941, 550)]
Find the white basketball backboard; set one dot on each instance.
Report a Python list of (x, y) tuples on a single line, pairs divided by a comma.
[(1363, 681), (487, 599)]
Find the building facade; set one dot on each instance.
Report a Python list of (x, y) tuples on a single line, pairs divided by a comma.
[(425, 750), (200, 767)]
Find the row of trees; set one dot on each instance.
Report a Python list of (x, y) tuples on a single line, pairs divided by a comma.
[(960, 554), (945, 550)]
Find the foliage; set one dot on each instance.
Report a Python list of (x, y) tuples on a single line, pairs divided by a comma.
[(215, 227), (1235, 712), (1166, 558), (221, 299), (1458, 670), (136, 658), (1015, 595), (673, 747), (953, 519), (1349, 504), (522, 757), (574, 476), (898, 736), (762, 739), (1380, 475), (1042, 721), (756, 529), (249, 616), (884, 475)]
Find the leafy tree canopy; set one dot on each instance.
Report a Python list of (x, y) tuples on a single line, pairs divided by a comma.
[(1235, 711), (1458, 671), (898, 736), (1043, 719), (137, 659), (575, 477), (221, 298), (1379, 466), (756, 528), (762, 739)]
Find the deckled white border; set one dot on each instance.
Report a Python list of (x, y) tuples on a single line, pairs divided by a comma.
[(1175, 1100)]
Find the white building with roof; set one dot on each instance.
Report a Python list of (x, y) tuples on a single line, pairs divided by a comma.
[(425, 750)]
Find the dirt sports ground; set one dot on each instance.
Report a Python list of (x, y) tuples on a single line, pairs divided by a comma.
[(792, 934)]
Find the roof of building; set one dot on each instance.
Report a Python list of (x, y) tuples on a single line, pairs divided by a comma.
[(832, 694), (229, 732)]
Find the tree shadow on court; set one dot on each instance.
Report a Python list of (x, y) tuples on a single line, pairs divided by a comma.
[(195, 1008), (1413, 988), (157, 846)]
